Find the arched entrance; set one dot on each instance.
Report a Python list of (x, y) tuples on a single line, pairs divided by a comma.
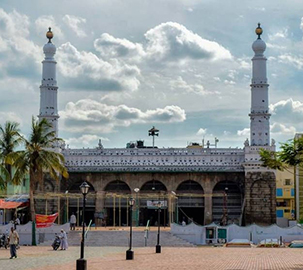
[(116, 203), (150, 194), (190, 202), (74, 201), (226, 203)]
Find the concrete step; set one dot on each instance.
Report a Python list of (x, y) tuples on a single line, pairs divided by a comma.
[(121, 238)]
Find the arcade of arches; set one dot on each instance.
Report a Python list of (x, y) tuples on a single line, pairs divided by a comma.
[(199, 197)]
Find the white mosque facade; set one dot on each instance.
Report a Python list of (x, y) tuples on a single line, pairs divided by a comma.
[(203, 184)]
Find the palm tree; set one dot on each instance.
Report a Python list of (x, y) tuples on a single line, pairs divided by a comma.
[(39, 157), (9, 139), (4, 174)]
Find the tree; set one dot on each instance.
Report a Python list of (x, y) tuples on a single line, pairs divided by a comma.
[(39, 157), (10, 139), (291, 155)]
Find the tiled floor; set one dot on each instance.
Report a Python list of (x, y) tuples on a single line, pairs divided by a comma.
[(43, 258)]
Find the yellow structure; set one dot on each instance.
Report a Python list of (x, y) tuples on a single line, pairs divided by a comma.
[(285, 194)]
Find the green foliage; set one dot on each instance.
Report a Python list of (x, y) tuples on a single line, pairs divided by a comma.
[(291, 154), (39, 155), (9, 139)]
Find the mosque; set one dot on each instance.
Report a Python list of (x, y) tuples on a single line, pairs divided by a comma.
[(197, 183)]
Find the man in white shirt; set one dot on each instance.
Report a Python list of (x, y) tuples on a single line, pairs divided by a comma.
[(13, 242)]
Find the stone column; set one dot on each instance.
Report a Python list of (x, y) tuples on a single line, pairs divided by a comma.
[(208, 208), (99, 206)]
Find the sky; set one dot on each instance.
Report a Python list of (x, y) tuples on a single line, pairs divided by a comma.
[(123, 66)]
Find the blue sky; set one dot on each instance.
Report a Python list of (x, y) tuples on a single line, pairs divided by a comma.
[(183, 66)]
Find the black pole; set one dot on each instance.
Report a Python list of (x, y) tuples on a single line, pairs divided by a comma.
[(81, 263), (158, 247), (129, 252)]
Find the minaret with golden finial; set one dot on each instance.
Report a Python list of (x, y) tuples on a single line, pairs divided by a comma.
[(259, 115), (49, 88)]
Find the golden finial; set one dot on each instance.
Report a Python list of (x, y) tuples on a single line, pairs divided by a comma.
[(259, 31), (49, 34)]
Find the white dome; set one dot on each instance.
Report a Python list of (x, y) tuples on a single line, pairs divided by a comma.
[(49, 49), (259, 47)]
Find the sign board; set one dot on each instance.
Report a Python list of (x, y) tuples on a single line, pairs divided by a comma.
[(154, 204)]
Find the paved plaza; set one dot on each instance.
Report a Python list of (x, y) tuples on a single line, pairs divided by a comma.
[(44, 258)]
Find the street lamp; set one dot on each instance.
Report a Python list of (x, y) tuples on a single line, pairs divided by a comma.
[(129, 252), (137, 206), (81, 263), (158, 247)]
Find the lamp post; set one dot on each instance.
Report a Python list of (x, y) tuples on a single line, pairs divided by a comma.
[(137, 206), (81, 263), (129, 252), (158, 247)]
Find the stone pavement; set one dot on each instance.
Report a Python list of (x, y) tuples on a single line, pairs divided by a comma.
[(173, 258)]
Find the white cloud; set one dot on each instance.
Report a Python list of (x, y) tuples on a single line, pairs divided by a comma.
[(244, 132), (301, 24), (202, 131), (287, 110), (280, 129), (17, 53), (87, 71), (294, 60), (9, 116), (92, 115), (45, 21), (75, 23), (180, 84), (111, 47), (84, 141), (171, 41)]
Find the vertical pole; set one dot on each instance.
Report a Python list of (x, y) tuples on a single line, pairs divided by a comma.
[(131, 229), (78, 212), (114, 211), (46, 206), (119, 211), (137, 210), (158, 247), (83, 227), (59, 220), (127, 219), (67, 215)]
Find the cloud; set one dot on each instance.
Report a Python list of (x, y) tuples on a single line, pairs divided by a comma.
[(111, 47), (45, 21), (18, 54), (85, 70), (244, 132), (202, 131), (180, 84), (296, 61), (92, 115), (74, 23), (280, 129), (165, 43), (287, 110), (85, 141), (9, 116), (171, 41)]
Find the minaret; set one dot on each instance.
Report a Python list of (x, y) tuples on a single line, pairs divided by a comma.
[(48, 88), (259, 116)]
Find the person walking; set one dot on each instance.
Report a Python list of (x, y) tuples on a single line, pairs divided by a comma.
[(13, 242), (63, 238), (73, 221)]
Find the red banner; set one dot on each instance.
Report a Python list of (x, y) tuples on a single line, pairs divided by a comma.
[(43, 221)]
